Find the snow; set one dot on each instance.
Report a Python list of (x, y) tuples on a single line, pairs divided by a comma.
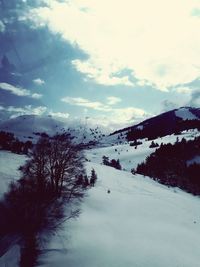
[(130, 157), (185, 114), (11, 258), (196, 159), (140, 223), (140, 127), (25, 128), (9, 164)]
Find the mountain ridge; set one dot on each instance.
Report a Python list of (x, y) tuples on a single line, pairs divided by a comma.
[(166, 123)]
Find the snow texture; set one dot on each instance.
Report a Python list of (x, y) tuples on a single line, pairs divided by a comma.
[(140, 127), (196, 160), (140, 223), (27, 127), (185, 114), (9, 164)]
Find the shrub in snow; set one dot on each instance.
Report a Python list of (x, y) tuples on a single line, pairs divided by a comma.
[(135, 143), (93, 177), (112, 163), (105, 160), (153, 144)]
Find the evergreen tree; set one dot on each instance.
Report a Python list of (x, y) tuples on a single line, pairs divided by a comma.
[(105, 160), (86, 181), (93, 177)]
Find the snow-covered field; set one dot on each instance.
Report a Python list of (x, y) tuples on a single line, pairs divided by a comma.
[(28, 127), (129, 156), (9, 164), (185, 114), (140, 223)]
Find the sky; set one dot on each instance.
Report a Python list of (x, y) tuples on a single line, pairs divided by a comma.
[(112, 63)]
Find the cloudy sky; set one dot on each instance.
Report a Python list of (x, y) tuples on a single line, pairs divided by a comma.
[(112, 62)]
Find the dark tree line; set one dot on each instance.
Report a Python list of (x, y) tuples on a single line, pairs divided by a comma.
[(9, 142), (135, 143), (170, 165), (153, 144), (84, 181), (162, 127), (112, 163)]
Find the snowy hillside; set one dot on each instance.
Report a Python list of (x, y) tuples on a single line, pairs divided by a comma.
[(167, 123), (185, 114), (9, 164), (129, 156), (28, 127), (140, 223)]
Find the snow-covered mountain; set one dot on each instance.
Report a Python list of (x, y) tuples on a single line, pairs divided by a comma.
[(29, 127), (167, 123), (136, 223)]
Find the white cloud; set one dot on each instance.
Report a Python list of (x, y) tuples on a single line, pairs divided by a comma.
[(100, 74), (195, 98), (14, 90), (36, 96), (18, 90), (115, 117), (26, 110), (128, 115), (118, 118), (158, 40), (169, 105), (183, 90), (39, 81), (60, 115), (112, 100), (2, 26), (82, 102)]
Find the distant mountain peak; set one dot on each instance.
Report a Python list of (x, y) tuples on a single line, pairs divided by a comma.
[(167, 123)]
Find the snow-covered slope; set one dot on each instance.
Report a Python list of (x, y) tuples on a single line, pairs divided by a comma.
[(140, 223), (129, 156), (162, 125), (9, 164), (185, 114), (27, 127)]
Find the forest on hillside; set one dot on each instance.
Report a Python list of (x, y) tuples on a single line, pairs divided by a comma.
[(175, 165), (160, 128)]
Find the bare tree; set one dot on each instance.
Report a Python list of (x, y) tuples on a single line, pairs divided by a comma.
[(37, 201), (55, 164)]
